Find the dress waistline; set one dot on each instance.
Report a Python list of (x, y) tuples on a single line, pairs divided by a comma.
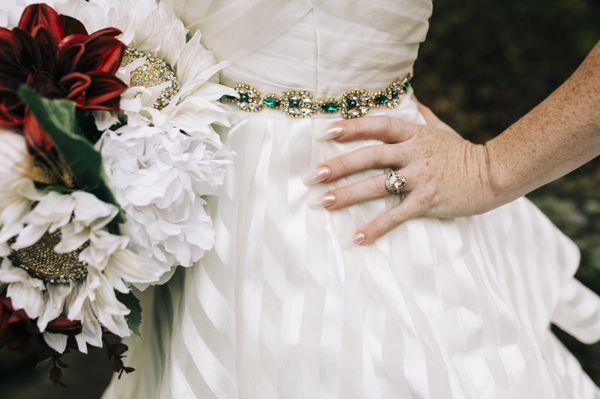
[(299, 103)]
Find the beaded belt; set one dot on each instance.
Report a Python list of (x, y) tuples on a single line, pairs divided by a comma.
[(302, 104)]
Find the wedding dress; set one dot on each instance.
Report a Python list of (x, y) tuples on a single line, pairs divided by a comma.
[(287, 307)]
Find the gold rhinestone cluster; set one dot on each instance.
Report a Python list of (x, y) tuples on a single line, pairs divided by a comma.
[(153, 72), (42, 262), (302, 104)]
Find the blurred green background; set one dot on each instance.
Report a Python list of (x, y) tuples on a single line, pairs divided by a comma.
[(484, 65)]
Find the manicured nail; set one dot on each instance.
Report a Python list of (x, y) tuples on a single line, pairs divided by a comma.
[(359, 239), (332, 133), (324, 201), (317, 176)]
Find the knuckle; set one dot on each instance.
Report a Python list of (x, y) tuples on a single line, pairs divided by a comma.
[(377, 185), (388, 124), (348, 127), (428, 198), (378, 155), (396, 154), (343, 197), (338, 166), (389, 220), (425, 175)]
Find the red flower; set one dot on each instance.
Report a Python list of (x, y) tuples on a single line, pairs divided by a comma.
[(19, 332), (62, 325), (56, 56)]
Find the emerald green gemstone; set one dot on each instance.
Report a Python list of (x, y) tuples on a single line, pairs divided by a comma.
[(294, 102), (405, 86), (228, 97), (244, 97), (351, 103), (382, 99), (330, 107), (395, 94), (271, 102)]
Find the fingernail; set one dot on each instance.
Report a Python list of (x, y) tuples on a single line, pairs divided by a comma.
[(317, 176), (324, 201), (332, 133), (359, 239)]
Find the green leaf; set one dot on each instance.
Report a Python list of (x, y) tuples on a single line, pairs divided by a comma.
[(57, 118), (134, 318), (87, 126)]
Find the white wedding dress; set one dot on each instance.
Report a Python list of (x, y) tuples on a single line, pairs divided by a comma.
[(287, 307)]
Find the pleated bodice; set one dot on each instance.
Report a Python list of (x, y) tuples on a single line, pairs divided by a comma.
[(322, 45)]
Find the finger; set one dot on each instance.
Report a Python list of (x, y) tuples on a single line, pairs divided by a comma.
[(408, 209), (383, 128), (370, 157), (364, 190), (430, 118)]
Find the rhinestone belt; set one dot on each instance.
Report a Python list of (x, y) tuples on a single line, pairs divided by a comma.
[(301, 103)]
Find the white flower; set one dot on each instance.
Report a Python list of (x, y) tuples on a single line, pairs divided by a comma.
[(159, 177), (27, 215), (17, 192), (162, 163), (11, 10), (156, 30)]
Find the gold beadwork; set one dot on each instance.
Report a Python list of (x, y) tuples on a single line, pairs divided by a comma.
[(298, 103), (356, 103), (301, 103), (42, 262), (249, 98), (153, 72)]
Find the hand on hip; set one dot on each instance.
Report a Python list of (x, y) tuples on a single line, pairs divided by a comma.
[(435, 171)]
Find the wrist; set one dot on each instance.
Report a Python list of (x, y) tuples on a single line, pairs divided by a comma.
[(500, 185)]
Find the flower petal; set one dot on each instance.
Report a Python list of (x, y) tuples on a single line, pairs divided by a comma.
[(41, 15), (58, 342)]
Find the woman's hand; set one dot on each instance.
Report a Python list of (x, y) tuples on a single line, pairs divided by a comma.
[(446, 175)]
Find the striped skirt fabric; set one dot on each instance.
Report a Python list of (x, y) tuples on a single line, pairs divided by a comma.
[(287, 307)]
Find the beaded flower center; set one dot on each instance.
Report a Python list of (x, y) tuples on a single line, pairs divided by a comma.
[(42, 262), (153, 72)]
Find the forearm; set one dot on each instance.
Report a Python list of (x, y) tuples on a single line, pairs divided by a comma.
[(559, 135)]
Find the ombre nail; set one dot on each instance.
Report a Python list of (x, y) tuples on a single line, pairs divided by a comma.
[(324, 201), (317, 176), (332, 133), (359, 239)]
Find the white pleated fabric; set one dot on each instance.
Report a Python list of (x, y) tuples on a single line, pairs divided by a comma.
[(287, 307)]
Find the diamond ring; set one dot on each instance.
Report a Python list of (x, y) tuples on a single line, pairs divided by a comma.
[(395, 183)]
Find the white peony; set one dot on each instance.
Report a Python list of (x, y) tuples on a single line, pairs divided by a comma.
[(159, 177)]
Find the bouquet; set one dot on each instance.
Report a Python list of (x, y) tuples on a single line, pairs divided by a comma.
[(107, 152)]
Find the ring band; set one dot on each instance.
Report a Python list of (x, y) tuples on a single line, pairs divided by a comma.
[(395, 183)]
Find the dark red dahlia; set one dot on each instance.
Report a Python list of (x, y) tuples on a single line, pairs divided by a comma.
[(55, 55)]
